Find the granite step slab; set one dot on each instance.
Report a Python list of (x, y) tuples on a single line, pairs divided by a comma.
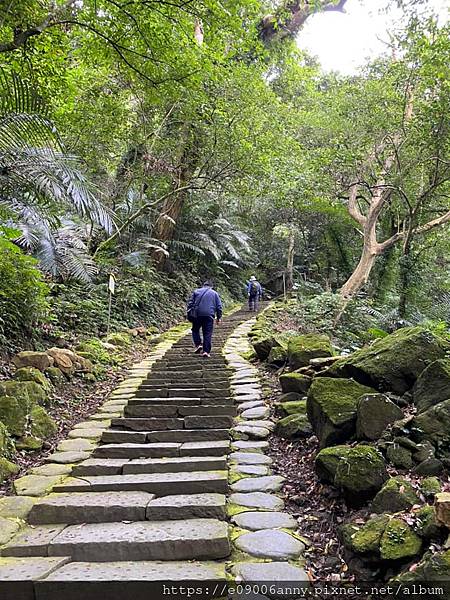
[(147, 424), (175, 465), (140, 580), (178, 410), (144, 540), (188, 435), (187, 506), (161, 484), (218, 448), (137, 450), (90, 507), (99, 466), (18, 575)]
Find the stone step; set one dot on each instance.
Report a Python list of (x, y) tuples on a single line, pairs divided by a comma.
[(178, 410), (98, 466), (187, 506), (90, 507), (118, 436), (150, 384), (161, 424), (161, 484), (138, 541), (175, 465), (117, 451), (140, 580)]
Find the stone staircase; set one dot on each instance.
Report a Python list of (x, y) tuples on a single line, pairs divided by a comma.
[(150, 502)]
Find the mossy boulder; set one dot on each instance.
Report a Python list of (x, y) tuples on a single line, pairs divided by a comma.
[(303, 348), (434, 424), (55, 375), (360, 474), (41, 424), (432, 385), (399, 542), (38, 360), (27, 393), (295, 382), (374, 413), (399, 456), (7, 469), (293, 407), (327, 461), (290, 397), (12, 415), (29, 443), (427, 525), (7, 449), (394, 362), (263, 345), (122, 340), (332, 408), (430, 486), (434, 567), (294, 427), (397, 494), (364, 539), (33, 374), (277, 356)]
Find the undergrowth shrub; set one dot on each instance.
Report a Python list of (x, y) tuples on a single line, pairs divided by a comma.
[(23, 294)]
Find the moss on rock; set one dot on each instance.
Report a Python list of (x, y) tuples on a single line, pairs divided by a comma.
[(399, 541), (375, 412), (295, 382), (122, 340), (55, 375), (397, 494), (277, 356), (7, 449), (332, 408), (427, 526), (293, 407), (432, 385), (393, 362), (361, 474), (303, 348), (399, 456), (27, 393), (430, 486), (7, 469), (327, 461), (365, 539), (29, 443), (42, 425), (294, 427), (12, 415), (33, 374), (433, 425)]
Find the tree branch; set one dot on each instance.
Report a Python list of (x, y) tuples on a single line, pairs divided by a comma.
[(442, 220)]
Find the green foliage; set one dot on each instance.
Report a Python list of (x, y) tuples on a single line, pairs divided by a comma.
[(23, 293)]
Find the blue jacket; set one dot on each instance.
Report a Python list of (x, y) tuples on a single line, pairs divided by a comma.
[(258, 289), (209, 305)]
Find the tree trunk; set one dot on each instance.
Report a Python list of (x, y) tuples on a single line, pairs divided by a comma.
[(361, 274), (165, 227), (404, 277), (290, 263)]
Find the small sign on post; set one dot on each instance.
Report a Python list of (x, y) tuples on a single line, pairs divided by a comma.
[(112, 291)]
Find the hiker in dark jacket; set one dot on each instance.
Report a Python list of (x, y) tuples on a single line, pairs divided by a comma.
[(203, 306), (254, 292)]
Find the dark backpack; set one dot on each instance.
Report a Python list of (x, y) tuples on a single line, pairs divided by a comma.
[(253, 288)]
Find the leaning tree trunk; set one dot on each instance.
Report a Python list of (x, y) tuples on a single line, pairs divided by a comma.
[(360, 275), (165, 227)]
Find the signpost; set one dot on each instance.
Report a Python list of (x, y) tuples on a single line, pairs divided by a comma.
[(112, 290)]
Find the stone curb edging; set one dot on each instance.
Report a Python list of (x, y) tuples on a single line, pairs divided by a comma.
[(265, 540)]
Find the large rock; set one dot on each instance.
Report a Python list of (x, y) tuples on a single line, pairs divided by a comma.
[(397, 494), (442, 508), (332, 406), (433, 425), (7, 469), (294, 427), (327, 461), (277, 356), (39, 360), (64, 360), (394, 362), (263, 345), (42, 425), (33, 374), (361, 474), (27, 393), (295, 382), (364, 539), (12, 415), (434, 567), (375, 412), (399, 542), (293, 407), (6, 443), (303, 348), (432, 385)]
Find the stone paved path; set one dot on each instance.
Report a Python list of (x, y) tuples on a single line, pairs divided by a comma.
[(168, 482)]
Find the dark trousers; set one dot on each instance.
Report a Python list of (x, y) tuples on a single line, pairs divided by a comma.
[(253, 302), (206, 324)]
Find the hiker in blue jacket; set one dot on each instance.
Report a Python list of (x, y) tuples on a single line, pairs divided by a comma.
[(203, 306), (254, 293)]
